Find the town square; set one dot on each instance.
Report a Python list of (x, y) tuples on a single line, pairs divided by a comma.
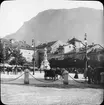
[(56, 57)]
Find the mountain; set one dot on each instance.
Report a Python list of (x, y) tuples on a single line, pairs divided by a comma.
[(62, 24)]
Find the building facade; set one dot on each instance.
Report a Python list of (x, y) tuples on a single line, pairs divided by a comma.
[(95, 55), (27, 54), (73, 44)]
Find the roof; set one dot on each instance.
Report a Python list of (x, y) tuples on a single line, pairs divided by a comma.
[(73, 40), (90, 49), (49, 44)]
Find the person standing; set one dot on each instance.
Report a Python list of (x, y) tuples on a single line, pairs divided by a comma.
[(89, 74), (76, 74), (92, 75)]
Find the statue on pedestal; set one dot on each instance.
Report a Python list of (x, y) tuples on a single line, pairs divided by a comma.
[(45, 64)]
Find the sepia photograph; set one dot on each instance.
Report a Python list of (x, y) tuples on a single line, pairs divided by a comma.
[(51, 52)]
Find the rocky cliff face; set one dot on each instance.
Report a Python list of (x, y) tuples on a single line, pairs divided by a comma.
[(63, 24)]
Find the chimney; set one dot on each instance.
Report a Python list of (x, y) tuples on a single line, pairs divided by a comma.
[(25, 42), (92, 43)]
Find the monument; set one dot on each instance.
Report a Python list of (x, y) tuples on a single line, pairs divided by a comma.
[(45, 64)]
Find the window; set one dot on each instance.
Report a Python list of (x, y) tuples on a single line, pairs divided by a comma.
[(69, 46)]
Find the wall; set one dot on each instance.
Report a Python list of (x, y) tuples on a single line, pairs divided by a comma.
[(28, 54), (78, 44), (68, 48)]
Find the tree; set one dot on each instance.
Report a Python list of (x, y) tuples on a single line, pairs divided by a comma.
[(4, 53), (18, 58), (1, 52), (7, 54)]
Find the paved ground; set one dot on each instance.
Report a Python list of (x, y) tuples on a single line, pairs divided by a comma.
[(50, 93)]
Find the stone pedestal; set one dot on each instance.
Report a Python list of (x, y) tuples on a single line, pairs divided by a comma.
[(65, 77), (26, 76)]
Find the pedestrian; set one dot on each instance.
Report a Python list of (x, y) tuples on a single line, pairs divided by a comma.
[(89, 74), (76, 74), (92, 75), (15, 69)]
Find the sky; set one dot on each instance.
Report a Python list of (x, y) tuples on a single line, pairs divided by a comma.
[(14, 13)]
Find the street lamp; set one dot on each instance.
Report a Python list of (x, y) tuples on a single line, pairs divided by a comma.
[(74, 54), (86, 58), (85, 41), (33, 45), (17, 59)]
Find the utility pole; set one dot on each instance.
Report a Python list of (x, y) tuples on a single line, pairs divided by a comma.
[(33, 45), (74, 53), (85, 42), (16, 59)]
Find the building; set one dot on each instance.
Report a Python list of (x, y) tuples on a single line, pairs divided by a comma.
[(25, 49), (73, 44), (51, 50), (27, 54), (95, 54), (65, 48)]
